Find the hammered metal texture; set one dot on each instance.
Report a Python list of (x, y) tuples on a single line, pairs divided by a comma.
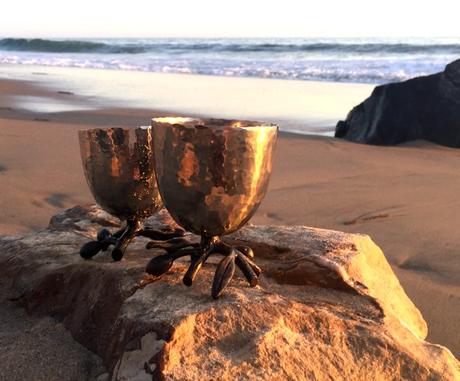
[(118, 165), (212, 173)]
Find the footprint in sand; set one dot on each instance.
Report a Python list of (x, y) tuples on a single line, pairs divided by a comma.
[(364, 218), (416, 264), (57, 199), (273, 216), (371, 216)]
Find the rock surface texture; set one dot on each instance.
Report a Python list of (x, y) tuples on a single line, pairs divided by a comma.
[(421, 108), (328, 308)]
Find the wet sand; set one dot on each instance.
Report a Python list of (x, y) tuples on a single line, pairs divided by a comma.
[(305, 106), (405, 197)]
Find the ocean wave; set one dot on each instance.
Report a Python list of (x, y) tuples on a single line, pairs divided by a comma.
[(336, 71), (222, 46), (338, 60), (377, 48), (66, 46)]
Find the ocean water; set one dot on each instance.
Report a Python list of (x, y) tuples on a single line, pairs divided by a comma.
[(368, 60)]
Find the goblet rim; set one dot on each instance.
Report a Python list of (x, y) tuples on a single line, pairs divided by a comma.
[(214, 123), (83, 130)]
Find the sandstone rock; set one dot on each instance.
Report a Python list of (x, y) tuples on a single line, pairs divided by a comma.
[(328, 308), (421, 108)]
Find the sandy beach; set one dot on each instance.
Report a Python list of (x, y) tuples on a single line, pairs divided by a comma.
[(404, 197)]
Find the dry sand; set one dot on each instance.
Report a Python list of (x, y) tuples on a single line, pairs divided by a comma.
[(405, 197), (40, 349)]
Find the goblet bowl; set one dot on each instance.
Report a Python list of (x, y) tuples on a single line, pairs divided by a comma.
[(119, 170), (213, 173)]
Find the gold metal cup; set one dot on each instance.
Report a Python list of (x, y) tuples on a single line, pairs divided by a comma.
[(212, 175), (119, 169)]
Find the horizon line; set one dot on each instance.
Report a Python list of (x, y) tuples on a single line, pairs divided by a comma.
[(229, 37)]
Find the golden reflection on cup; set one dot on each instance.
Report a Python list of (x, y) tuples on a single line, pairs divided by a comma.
[(119, 169), (212, 173)]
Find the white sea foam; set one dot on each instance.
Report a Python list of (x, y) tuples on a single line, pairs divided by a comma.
[(339, 60)]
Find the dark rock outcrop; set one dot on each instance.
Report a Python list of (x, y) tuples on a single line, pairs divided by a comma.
[(329, 307), (421, 108)]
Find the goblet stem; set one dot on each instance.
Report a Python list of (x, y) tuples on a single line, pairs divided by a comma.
[(123, 237), (197, 261), (234, 256), (206, 247), (133, 226)]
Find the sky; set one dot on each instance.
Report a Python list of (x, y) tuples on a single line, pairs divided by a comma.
[(237, 18)]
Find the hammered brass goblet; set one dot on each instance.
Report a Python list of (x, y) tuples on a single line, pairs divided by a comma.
[(118, 166), (212, 175)]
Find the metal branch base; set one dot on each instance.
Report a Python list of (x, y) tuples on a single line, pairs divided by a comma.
[(241, 256), (123, 237)]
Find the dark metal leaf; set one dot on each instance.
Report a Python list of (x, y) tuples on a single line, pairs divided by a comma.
[(90, 249), (170, 245), (193, 269), (117, 253), (161, 235), (159, 265), (254, 266), (246, 269), (103, 235), (224, 275), (123, 241), (246, 250)]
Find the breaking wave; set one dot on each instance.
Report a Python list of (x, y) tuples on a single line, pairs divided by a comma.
[(339, 60)]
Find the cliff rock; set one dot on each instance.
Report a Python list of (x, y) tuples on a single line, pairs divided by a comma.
[(328, 307), (425, 108)]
